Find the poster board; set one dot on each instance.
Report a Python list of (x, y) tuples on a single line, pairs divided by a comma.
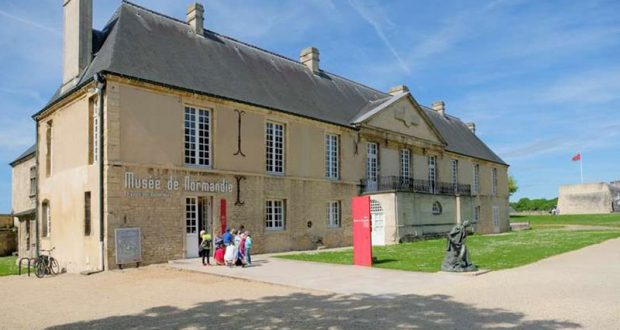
[(362, 242), (128, 245)]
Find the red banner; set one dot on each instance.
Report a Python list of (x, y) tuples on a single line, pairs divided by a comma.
[(223, 215), (362, 244)]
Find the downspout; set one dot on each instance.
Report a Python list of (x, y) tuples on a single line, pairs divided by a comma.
[(36, 196), (100, 87)]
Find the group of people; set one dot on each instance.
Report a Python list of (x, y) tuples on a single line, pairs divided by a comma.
[(233, 248)]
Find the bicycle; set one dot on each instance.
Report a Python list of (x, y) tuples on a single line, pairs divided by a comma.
[(46, 264)]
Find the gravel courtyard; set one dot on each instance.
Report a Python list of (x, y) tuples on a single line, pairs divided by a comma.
[(574, 290)]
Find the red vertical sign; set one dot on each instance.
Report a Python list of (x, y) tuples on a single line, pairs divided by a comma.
[(362, 245), (223, 215)]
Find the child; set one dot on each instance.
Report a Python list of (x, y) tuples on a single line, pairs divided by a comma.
[(219, 255), (248, 248)]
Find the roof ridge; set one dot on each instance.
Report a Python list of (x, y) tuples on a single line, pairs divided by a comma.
[(251, 46)]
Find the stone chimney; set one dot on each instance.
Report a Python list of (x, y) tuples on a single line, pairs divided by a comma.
[(472, 127), (196, 18), (310, 58), (78, 40), (398, 89), (440, 107)]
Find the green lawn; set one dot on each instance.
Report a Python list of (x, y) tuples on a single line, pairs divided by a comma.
[(8, 266), (487, 251), (560, 220)]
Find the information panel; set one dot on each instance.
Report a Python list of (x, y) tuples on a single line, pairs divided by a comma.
[(128, 245), (362, 243)]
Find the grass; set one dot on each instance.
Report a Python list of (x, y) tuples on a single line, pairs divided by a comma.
[(611, 220), (8, 266), (493, 252)]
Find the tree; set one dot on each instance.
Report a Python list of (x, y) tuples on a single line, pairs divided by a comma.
[(512, 185)]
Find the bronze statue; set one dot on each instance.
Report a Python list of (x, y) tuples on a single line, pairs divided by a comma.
[(457, 256)]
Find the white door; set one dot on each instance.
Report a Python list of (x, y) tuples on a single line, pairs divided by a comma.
[(372, 167), (191, 227), (496, 219), (378, 223)]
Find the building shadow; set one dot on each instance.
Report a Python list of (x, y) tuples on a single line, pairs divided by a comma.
[(327, 311)]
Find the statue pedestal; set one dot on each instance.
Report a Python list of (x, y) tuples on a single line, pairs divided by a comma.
[(474, 273)]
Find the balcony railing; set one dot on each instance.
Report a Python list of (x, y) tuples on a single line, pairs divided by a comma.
[(404, 184)]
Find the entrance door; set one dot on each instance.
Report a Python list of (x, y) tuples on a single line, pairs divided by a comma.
[(197, 218), (378, 223), (496, 219)]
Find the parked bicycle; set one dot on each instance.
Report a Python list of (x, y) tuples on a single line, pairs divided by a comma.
[(46, 264)]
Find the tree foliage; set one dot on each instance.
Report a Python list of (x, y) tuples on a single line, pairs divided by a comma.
[(540, 204), (512, 185)]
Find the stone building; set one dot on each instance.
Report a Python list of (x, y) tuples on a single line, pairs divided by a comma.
[(165, 126), (23, 201), (589, 198)]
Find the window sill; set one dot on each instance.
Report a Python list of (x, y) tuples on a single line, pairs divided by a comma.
[(276, 173), (199, 167), (333, 227), (275, 230)]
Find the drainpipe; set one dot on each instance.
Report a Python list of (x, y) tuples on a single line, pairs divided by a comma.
[(100, 87), (36, 196)]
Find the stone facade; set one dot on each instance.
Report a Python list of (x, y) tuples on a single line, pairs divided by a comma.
[(589, 198)]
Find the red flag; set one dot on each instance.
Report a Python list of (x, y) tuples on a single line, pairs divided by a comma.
[(577, 157)]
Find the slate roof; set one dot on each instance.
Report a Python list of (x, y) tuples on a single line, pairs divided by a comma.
[(141, 44), (26, 154)]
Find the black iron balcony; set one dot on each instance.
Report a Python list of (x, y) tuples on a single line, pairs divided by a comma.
[(404, 184)]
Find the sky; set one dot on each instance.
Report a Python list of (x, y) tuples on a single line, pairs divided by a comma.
[(541, 79)]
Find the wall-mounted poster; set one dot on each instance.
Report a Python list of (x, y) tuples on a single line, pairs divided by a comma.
[(128, 245)]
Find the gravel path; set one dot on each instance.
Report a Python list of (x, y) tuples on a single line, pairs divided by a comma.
[(574, 290)]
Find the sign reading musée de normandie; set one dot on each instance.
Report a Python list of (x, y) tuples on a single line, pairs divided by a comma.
[(157, 187)]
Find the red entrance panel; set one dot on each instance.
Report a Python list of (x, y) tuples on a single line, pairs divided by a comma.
[(362, 245), (223, 215)]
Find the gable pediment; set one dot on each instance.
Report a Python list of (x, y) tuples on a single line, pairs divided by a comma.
[(403, 116)]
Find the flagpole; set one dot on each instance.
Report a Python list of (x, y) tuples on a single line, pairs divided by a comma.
[(581, 166)]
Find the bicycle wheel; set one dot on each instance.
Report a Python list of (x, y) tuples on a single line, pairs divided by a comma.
[(54, 267), (40, 268)]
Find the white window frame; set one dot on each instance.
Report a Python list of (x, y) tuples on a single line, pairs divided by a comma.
[(332, 155), (275, 151), (333, 214), (372, 163), (197, 138), (405, 165), (275, 214), (494, 181), (191, 215), (455, 174), (476, 183), (33, 181), (432, 173)]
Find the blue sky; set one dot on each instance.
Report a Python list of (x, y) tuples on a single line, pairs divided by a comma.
[(541, 79)]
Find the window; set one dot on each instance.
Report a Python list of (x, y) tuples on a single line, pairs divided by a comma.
[(93, 128), (476, 185), (274, 214), (274, 143), (496, 219), (372, 163), (432, 173), (191, 215), (477, 213), (48, 149), (494, 180), (333, 214), (197, 137), (331, 156), (33, 181), (46, 220), (405, 166), (437, 208), (27, 234), (87, 213), (455, 175)]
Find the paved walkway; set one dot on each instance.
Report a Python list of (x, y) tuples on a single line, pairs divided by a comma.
[(326, 277), (580, 288)]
